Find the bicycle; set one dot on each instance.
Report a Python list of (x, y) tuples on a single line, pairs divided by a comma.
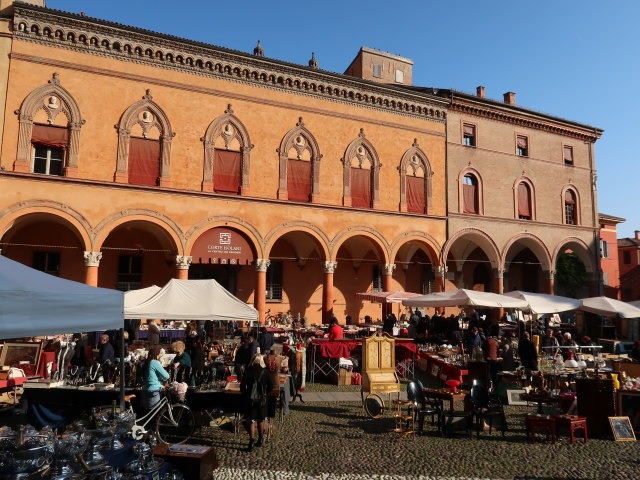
[(174, 422)]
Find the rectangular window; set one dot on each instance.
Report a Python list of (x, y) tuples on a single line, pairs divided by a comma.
[(226, 171), (469, 135), (299, 180), (360, 187), (522, 144), (129, 272), (48, 160), (47, 262), (377, 278), (144, 161), (604, 249), (568, 155), (274, 282), (626, 256), (399, 76), (377, 70), (415, 195)]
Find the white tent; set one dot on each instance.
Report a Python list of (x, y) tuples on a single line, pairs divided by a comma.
[(609, 307), (395, 296), (136, 297), (541, 303), (193, 300), (36, 303), (464, 297)]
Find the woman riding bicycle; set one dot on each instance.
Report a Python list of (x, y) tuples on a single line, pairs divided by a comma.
[(154, 377)]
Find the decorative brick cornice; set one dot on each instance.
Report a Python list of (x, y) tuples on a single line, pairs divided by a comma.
[(112, 40)]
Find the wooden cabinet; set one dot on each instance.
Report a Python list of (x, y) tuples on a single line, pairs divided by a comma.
[(597, 402)]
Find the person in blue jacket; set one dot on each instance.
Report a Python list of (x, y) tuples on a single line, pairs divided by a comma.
[(154, 376)]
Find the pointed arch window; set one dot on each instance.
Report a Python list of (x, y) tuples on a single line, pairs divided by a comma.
[(571, 211), (299, 165), (470, 194), (524, 201), (361, 174), (144, 144), (415, 181), (227, 155), (49, 131)]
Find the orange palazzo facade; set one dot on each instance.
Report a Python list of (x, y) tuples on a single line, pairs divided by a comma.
[(131, 157)]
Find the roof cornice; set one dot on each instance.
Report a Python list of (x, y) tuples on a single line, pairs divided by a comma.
[(122, 42)]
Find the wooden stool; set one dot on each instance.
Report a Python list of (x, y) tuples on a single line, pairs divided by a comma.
[(535, 423), (573, 423)]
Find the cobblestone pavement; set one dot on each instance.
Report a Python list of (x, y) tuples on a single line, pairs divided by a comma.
[(338, 441)]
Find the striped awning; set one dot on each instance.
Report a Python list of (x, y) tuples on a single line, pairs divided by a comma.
[(396, 296)]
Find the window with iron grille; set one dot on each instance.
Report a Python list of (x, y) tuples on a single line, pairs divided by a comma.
[(129, 272), (47, 262), (274, 282), (377, 278)]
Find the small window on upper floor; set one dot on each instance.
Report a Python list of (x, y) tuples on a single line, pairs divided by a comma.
[(399, 76), (524, 202), (626, 257), (48, 160), (604, 249), (522, 146), (377, 70), (568, 155), (469, 135)]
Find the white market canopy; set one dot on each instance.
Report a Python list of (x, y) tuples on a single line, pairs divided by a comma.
[(34, 303), (463, 297), (609, 307), (193, 300), (136, 297), (541, 303), (396, 296)]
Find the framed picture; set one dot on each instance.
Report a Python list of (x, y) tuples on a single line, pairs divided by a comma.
[(513, 397), (628, 405), (24, 355), (435, 370), (622, 430)]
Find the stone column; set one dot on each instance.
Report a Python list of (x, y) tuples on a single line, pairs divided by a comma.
[(260, 296), (327, 291), (498, 280), (386, 286), (440, 271), (182, 266), (91, 264), (549, 276)]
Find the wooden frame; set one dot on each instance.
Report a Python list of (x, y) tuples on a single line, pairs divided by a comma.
[(622, 430), (15, 352), (513, 397), (628, 404)]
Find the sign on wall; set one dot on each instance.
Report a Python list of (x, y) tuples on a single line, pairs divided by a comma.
[(222, 246)]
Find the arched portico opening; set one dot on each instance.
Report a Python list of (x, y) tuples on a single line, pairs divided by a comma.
[(527, 265), (473, 262)]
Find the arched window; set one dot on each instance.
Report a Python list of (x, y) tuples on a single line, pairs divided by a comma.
[(415, 181), (470, 193), (299, 165), (570, 203), (361, 174), (226, 157), (144, 144), (49, 131), (523, 199)]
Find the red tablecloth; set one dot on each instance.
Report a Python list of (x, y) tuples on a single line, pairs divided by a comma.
[(343, 348), (9, 383), (46, 357), (443, 370)]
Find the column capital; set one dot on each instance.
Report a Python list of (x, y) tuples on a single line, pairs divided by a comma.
[(262, 264), (499, 272), (330, 267), (389, 268), (183, 262), (550, 274), (440, 270), (92, 259)]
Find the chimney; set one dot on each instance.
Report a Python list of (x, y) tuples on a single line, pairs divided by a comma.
[(480, 91), (510, 98), (637, 232)]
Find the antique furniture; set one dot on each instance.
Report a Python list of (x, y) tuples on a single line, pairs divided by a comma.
[(573, 423), (539, 398), (195, 461), (423, 405), (404, 422), (628, 404), (596, 401), (446, 394), (378, 369), (484, 407), (535, 423)]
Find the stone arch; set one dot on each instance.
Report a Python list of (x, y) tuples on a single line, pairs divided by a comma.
[(218, 128), (584, 252), (75, 220), (361, 148), (300, 139), (32, 104), (415, 159), (576, 211), (225, 221), (534, 244), (433, 249), (131, 117), (358, 230), (481, 240), (479, 189), (532, 193), (109, 224), (300, 226)]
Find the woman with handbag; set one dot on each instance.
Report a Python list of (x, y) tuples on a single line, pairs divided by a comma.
[(255, 387)]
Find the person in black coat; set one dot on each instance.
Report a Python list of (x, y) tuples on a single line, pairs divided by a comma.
[(256, 409), (265, 342), (527, 352)]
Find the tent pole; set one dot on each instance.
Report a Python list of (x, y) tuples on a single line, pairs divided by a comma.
[(122, 370)]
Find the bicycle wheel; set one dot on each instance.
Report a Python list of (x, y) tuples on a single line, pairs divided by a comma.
[(374, 405), (175, 424)]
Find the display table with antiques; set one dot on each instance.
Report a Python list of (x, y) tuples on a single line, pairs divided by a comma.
[(443, 367)]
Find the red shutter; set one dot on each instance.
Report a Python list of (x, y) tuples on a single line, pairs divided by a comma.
[(469, 130), (50, 136), (470, 198), (524, 200), (144, 161), (523, 142), (226, 171), (360, 187), (568, 197), (299, 180), (568, 154), (415, 195)]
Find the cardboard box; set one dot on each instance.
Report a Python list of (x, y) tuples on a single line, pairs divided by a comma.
[(345, 377)]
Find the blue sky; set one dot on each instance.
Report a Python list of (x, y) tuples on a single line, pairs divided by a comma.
[(573, 59)]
